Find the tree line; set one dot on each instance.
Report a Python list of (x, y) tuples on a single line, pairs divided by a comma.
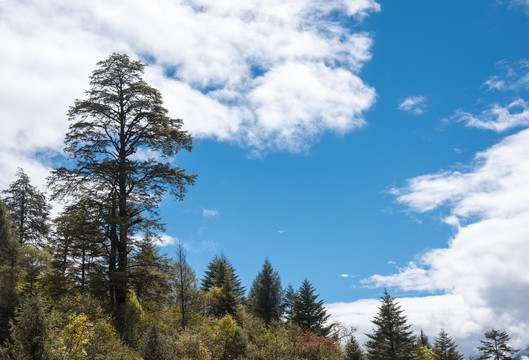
[(91, 283)]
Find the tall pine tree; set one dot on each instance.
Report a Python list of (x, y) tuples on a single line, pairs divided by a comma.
[(391, 339), (224, 289), (308, 313), (9, 271), (185, 288), (120, 117), (352, 350), (266, 295), (28, 209), (495, 346), (445, 348)]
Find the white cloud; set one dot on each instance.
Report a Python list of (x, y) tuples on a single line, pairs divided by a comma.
[(429, 313), (498, 118), (210, 213), (166, 240), (221, 66), (484, 268), (345, 276), (513, 76), (414, 104)]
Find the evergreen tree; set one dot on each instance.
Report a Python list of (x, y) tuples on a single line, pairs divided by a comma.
[(150, 274), (31, 330), (265, 298), (9, 271), (288, 302), (423, 340), (308, 313), (392, 338), (184, 284), (219, 270), (445, 348), (424, 353), (495, 346), (156, 346), (121, 116), (352, 350), (223, 287), (28, 209), (79, 242)]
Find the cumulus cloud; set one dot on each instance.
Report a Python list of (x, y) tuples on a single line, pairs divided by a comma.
[(227, 68), (484, 268), (429, 313), (414, 104), (166, 240)]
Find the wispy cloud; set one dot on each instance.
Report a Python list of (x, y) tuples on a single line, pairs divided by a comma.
[(199, 247), (345, 276), (497, 118), (522, 4), (414, 104), (242, 72), (210, 213), (512, 76)]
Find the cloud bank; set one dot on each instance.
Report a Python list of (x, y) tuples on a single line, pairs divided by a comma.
[(270, 76), (480, 280), (483, 273)]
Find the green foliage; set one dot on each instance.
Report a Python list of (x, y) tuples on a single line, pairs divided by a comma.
[(424, 353), (423, 340), (9, 272), (156, 346), (224, 291), (71, 342), (266, 295), (134, 321), (104, 344), (150, 275), (495, 346), (391, 339), (186, 297), (445, 348), (352, 350), (28, 210), (307, 312), (36, 265), (121, 116), (229, 341), (191, 347), (78, 242), (31, 330)]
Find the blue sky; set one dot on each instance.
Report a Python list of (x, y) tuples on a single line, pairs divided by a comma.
[(360, 144)]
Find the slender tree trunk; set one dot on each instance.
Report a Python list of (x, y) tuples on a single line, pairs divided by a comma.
[(123, 221), (83, 253), (113, 256)]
